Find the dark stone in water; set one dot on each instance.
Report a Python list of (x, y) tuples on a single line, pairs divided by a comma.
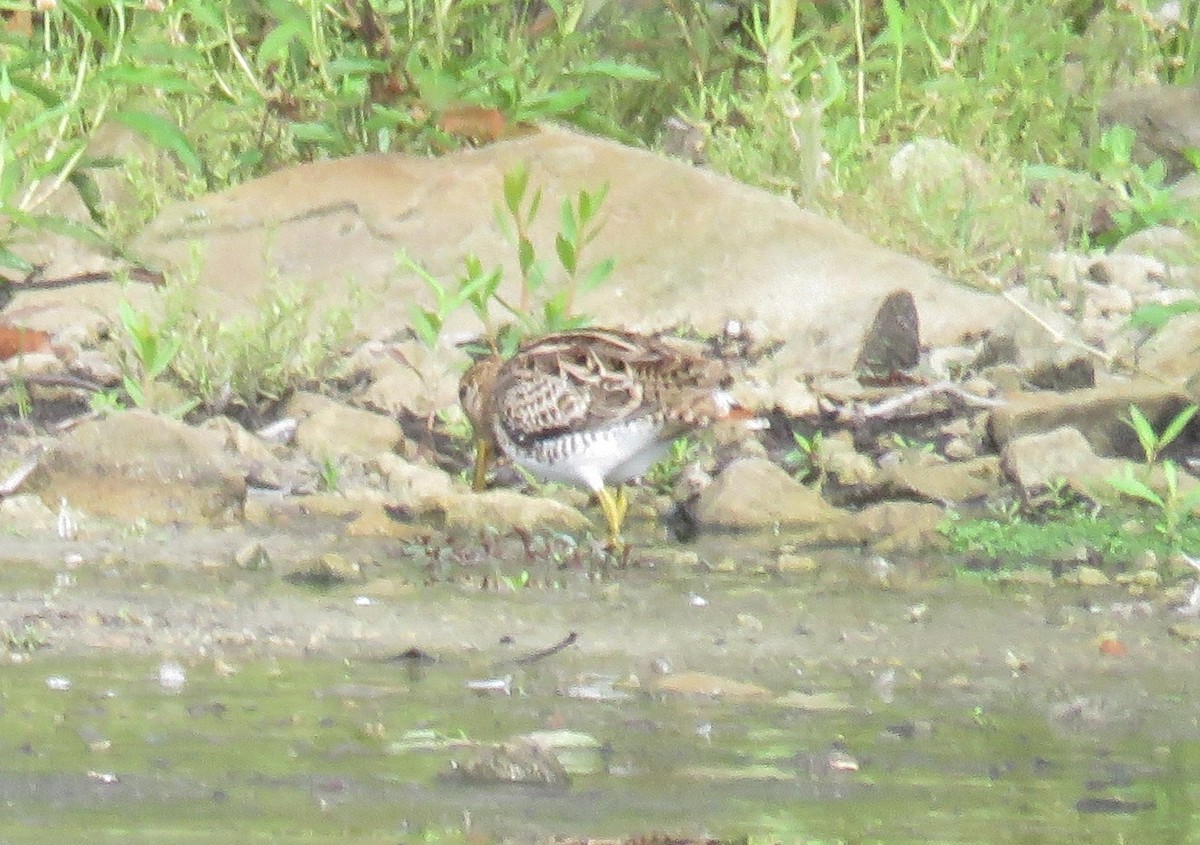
[(1112, 805)]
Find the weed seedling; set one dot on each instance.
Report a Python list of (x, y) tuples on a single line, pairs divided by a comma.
[(1174, 505)]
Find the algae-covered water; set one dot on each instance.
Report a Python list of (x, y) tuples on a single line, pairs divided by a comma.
[(814, 707)]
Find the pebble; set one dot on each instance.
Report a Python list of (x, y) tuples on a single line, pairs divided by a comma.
[(252, 557), (794, 563), (1086, 576), (1189, 632), (171, 676)]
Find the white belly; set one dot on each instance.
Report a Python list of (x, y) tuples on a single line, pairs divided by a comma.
[(595, 458)]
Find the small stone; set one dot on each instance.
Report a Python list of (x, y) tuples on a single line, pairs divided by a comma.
[(1134, 274), (328, 429), (712, 686), (1087, 576), (918, 613), (1145, 559), (329, 568), (676, 558), (841, 460), (1189, 632), (252, 557), (578, 752), (815, 702), (840, 761), (163, 472), (792, 563), (959, 449), (749, 622), (726, 565), (1030, 577), (1148, 578)]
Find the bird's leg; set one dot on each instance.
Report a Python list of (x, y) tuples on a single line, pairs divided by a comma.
[(483, 456), (621, 499), (614, 507)]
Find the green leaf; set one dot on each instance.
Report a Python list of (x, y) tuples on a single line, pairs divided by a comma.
[(1176, 426), (356, 66), (568, 225), (276, 44), (1144, 431), (426, 324), (1134, 488), (207, 15), (525, 255), (12, 261), (550, 104), (566, 253), (28, 85), (534, 205), (89, 193), (589, 204), (516, 179), (1153, 316), (164, 78), (616, 70), (319, 134), (164, 134), (134, 391), (82, 18), (599, 273)]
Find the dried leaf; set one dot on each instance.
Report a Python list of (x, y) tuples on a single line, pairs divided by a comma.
[(17, 341)]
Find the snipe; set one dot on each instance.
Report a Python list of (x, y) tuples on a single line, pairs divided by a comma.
[(592, 407)]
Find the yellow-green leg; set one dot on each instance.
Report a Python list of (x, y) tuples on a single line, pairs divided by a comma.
[(483, 457), (615, 507)]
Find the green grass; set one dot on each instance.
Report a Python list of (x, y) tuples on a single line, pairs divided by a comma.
[(805, 98), (1063, 534)]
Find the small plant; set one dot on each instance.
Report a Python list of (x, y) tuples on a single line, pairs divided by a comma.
[(804, 459), (515, 583), (26, 640), (1149, 318), (1152, 442), (256, 358), (1146, 198), (18, 390), (152, 352), (662, 476), (329, 475), (106, 402), (544, 305), (1174, 505)]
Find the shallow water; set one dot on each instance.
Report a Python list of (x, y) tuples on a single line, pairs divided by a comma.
[(312, 750), (994, 718)]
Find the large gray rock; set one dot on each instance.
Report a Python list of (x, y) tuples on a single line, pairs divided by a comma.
[(138, 466), (508, 510), (1099, 414), (944, 483), (329, 429), (1035, 461), (754, 493), (691, 246)]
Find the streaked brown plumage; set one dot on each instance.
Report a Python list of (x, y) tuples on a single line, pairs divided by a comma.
[(592, 407)]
